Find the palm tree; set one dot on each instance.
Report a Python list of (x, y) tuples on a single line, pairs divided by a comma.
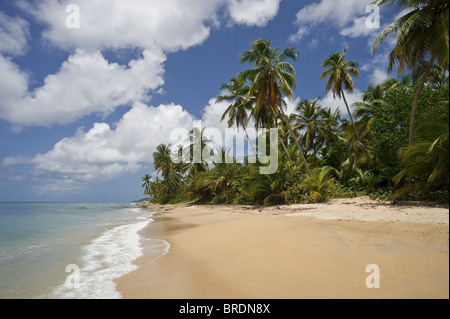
[(438, 77), (270, 188), (329, 126), (271, 78), (283, 133), (427, 160), (422, 35), (218, 179), (238, 111), (146, 180), (320, 184), (198, 145), (340, 79), (318, 124), (163, 161)]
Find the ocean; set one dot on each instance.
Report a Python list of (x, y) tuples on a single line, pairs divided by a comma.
[(70, 250)]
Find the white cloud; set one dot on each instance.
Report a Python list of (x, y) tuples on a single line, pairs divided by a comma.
[(212, 113), (15, 160), (253, 12), (378, 76), (169, 25), (336, 103), (302, 32), (14, 35), (335, 13), (376, 67), (86, 83), (359, 28), (103, 153)]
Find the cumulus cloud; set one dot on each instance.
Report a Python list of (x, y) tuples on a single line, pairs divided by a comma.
[(359, 29), (212, 113), (169, 25), (14, 35), (253, 12), (13, 83), (336, 103), (334, 13), (103, 153), (86, 83)]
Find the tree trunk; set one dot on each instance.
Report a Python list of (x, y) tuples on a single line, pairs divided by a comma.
[(227, 198), (351, 117), (296, 142), (249, 141), (284, 147), (416, 101)]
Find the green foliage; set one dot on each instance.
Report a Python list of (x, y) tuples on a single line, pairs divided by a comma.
[(319, 185), (371, 157), (427, 161)]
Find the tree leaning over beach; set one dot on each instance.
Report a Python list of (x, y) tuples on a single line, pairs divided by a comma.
[(271, 77)]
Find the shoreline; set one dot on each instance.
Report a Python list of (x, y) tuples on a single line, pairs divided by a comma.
[(293, 252)]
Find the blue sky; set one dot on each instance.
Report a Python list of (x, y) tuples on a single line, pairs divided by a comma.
[(83, 109)]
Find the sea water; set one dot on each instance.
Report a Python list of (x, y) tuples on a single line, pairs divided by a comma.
[(43, 245)]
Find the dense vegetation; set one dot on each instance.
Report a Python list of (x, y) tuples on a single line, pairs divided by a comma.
[(393, 146)]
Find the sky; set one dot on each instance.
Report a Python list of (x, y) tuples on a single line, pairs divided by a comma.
[(89, 88)]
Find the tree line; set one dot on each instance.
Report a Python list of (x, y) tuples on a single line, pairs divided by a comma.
[(391, 145)]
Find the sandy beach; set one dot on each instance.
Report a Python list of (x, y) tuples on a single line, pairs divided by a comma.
[(295, 252)]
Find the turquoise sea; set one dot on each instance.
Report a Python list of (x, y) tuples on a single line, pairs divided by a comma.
[(70, 250)]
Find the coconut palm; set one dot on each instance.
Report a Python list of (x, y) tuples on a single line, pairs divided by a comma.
[(438, 77), (340, 72), (271, 78), (218, 179), (317, 123), (198, 145), (238, 111), (422, 35), (146, 180), (162, 160)]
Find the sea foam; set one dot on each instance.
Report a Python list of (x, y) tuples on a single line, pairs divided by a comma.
[(108, 257)]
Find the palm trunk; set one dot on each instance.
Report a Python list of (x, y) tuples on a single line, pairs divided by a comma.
[(351, 117), (284, 147), (296, 142), (249, 141), (416, 100), (227, 198)]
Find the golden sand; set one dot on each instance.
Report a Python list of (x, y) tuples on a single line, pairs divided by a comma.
[(295, 252)]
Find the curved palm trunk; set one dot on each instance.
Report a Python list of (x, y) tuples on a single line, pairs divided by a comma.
[(351, 117), (416, 100), (284, 147), (296, 142)]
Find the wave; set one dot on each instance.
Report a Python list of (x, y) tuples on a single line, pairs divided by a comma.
[(108, 257)]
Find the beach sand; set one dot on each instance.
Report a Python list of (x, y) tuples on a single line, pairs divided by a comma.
[(295, 252)]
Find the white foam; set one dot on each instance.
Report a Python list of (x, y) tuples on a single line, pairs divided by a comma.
[(108, 257)]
